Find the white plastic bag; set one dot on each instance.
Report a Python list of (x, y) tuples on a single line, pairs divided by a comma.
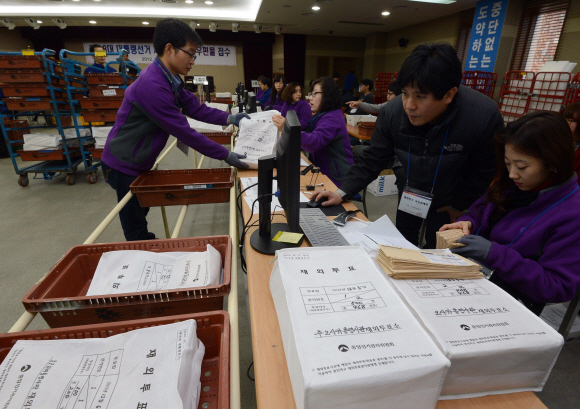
[(257, 137)]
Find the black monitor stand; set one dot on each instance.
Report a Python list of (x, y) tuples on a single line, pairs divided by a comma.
[(261, 239)]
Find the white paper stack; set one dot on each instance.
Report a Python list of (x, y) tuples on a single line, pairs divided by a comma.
[(40, 141), (349, 340), (157, 367), (494, 343), (223, 94), (100, 133), (130, 271)]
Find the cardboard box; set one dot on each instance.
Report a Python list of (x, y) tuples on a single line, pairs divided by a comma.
[(384, 185)]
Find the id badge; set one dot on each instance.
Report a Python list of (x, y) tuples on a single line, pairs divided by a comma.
[(415, 202)]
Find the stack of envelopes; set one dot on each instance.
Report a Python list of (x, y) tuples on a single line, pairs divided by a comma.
[(425, 264), (448, 239)]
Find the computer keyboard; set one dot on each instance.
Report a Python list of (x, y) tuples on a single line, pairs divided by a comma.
[(319, 230)]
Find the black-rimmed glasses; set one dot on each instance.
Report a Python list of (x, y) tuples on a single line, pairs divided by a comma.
[(192, 56)]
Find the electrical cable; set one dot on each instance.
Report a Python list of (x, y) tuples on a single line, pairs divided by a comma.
[(248, 372)]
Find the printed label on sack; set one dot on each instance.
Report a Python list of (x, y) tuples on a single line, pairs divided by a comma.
[(109, 92), (191, 187)]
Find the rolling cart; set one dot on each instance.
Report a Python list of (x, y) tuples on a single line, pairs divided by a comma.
[(34, 85)]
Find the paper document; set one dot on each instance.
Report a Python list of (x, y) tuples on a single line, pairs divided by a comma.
[(495, 344), (350, 342), (252, 194), (257, 137), (370, 236), (130, 271), (157, 367)]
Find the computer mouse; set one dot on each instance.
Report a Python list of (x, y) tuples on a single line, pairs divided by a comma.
[(314, 203)]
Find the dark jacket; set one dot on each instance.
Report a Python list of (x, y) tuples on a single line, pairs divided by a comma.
[(468, 160), (99, 69)]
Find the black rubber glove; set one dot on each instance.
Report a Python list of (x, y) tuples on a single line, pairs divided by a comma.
[(476, 247), (234, 119), (233, 159)]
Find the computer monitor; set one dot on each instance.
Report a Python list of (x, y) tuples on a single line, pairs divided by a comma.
[(287, 165), (206, 92), (251, 103)]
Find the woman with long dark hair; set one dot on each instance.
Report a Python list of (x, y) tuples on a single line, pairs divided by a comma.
[(572, 116), (293, 100), (275, 101), (326, 138), (527, 225)]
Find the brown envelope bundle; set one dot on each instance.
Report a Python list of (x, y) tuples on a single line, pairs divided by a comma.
[(425, 264), (448, 239)]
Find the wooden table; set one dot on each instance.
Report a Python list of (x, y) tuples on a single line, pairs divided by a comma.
[(273, 387), (353, 131)]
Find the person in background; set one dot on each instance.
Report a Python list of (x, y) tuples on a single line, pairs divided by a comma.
[(275, 101), (394, 89), (99, 66), (365, 88), (326, 138), (266, 86), (442, 132), (335, 76), (527, 225), (293, 100), (153, 108), (259, 93), (131, 67), (572, 115), (350, 81)]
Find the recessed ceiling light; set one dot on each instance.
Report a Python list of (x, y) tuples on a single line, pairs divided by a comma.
[(209, 2), (316, 8), (96, 0), (92, 22), (385, 13), (39, 22), (189, 1), (145, 22)]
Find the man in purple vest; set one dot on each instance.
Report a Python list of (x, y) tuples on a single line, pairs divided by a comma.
[(154, 107)]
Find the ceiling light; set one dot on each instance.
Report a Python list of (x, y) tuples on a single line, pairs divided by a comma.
[(209, 2), (39, 22), (193, 24), (92, 22), (257, 28), (213, 27), (76, 0), (315, 8), (145, 22), (235, 27), (7, 23), (277, 30), (96, 0), (385, 13), (189, 1), (32, 23)]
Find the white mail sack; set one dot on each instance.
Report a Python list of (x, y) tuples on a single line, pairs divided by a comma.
[(350, 342), (101, 131), (204, 127), (156, 367), (257, 137), (44, 140), (494, 343), (72, 133), (130, 271)]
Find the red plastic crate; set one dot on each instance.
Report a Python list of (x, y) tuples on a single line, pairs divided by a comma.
[(57, 154), (20, 61), (22, 104), (28, 90), (60, 297), (101, 102), (366, 128), (97, 91), (183, 187), (16, 134), (108, 78), (573, 92), (219, 137), (100, 116), (19, 76), (213, 330), (96, 153)]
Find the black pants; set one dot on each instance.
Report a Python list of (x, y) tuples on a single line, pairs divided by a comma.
[(409, 225), (133, 216)]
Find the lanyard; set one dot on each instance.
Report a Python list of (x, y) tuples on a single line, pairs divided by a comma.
[(169, 81), (537, 217), (438, 163)]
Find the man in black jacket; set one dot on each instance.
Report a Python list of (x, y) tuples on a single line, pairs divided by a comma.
[(442, 132)]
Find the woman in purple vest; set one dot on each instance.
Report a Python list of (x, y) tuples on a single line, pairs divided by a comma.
[(293, 97), (275, 101), (527, 225)]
